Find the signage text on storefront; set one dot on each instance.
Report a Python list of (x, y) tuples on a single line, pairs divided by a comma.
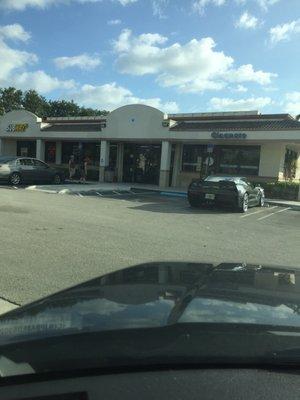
[(16, 127), (228, 135)]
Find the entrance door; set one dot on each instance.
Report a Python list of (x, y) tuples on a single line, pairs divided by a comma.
[(141, 163)]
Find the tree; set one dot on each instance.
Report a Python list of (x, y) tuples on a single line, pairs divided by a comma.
[(63, 108), (10, 99), (35, 103), (90, 112)]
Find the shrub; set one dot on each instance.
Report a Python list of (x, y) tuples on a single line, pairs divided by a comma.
[(281, 190)]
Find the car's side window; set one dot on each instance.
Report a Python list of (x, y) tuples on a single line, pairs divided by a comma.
[(40, 164), (25, 162)]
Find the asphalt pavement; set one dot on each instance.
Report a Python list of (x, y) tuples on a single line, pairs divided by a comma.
[(49, 242)]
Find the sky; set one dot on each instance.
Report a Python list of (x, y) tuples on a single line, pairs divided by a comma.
[(176, 55)]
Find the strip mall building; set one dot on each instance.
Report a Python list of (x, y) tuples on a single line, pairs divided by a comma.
[(138, 143)]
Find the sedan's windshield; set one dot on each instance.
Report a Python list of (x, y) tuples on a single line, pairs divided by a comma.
[(221, 178)]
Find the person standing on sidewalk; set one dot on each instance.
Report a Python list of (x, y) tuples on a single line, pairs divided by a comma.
[(83, 169), (72, 167)]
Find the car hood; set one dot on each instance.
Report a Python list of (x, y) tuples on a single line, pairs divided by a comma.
[(162, 294)]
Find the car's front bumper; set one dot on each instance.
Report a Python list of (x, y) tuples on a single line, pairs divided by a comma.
[(4, 176)]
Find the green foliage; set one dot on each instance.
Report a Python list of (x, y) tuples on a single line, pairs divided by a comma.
[(35, 103), (281, 190), (12, 98), (290, 164)]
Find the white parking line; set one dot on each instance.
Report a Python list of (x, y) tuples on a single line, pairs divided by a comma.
[(276, 212), (115, 192), (80, 195), (99, 194), (258, 212)]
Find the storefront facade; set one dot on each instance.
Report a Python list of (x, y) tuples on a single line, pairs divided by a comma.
[(138, 143)]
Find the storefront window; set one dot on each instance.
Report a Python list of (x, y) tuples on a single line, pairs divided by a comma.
[(193, 157), (92, 151), (69, 148), (26, 148), (239, 160), (112, 156), (50, 152)]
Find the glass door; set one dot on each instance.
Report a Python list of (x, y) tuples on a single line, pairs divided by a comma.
[(141, 163)]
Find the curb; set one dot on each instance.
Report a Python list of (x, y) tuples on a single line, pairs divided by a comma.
[(174, 194), (6, 306), (295, 207), (161, 192), (35, 189)]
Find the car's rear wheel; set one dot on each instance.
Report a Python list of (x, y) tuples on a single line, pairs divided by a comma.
[(57, 179), (245, 204), (15, 179)]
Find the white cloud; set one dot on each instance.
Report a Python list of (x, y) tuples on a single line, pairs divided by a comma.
[(247, 21), (123, 2), (292, 105), (111, 96), (264, 4), (241, 88), (14, 64), (251, 103), (82, 61), (158, 7), (20, 5), (114, 22), (14, 32), (284, 32), (192, 67), (12, 60), (200, 5), (41, 82), (246, 73)]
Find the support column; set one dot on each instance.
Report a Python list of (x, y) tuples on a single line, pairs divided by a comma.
[(165, 164), (104, 159), (177, 164), (120, 161), (297, 175), (58, 153), (271, 163), (1, 147), (40, 149)]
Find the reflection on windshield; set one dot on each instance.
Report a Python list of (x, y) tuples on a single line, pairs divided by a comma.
[(162, 294)]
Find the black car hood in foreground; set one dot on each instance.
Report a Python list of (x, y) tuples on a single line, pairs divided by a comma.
[(159, 311)]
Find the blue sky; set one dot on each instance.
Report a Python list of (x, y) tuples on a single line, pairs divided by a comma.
[(177, 55)]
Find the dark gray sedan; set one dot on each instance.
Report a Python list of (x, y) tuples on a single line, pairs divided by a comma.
[(19, 170), (234, 191)]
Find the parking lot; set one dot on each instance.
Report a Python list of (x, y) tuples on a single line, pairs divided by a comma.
[(51, 241)]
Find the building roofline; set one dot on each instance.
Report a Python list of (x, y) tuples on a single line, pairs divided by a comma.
[(231, 117)]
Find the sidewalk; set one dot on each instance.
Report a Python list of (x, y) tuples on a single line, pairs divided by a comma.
[(295, 205), (71, 187)]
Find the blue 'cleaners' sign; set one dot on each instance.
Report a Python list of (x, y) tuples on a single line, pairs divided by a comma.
[(228, 135)]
